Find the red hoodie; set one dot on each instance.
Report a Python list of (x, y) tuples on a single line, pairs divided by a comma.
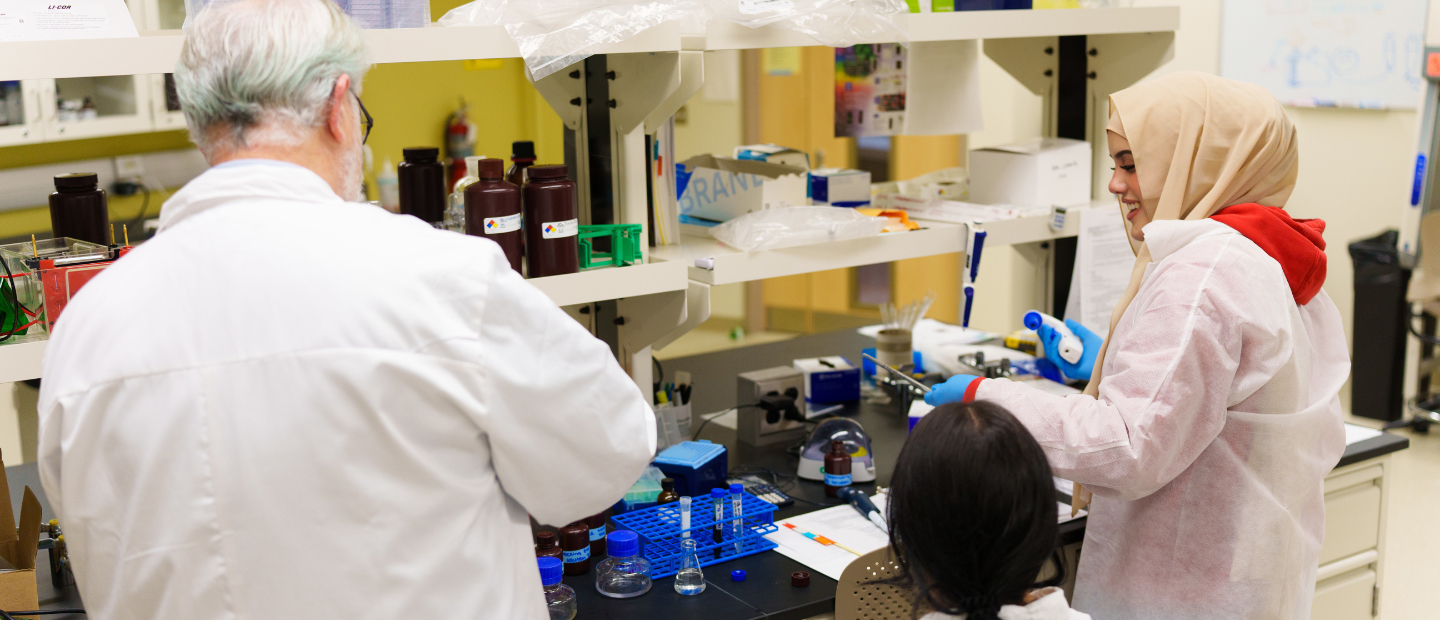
[(1295, 244)]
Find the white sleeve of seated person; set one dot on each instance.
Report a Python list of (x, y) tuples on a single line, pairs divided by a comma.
[(1163, 399), (569, 431)]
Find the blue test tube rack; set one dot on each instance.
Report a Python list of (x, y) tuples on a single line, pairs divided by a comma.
[(660, 533)]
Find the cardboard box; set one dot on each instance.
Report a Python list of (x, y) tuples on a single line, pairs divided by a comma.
[(829, 380), (721, 189), (774, 154), (1044, 172), (839, 187), (17, 550)]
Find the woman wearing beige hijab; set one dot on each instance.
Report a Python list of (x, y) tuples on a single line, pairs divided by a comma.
[(1207, 431)]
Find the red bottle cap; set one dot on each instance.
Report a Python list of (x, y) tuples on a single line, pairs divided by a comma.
[(490, 169), (800, 579)]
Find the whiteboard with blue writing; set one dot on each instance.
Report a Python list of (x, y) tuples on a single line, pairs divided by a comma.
[(1344, 53)]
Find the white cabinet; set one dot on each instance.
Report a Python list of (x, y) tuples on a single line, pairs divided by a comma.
[(1351, 567), (20, 112), (164, 105), (89, 107)]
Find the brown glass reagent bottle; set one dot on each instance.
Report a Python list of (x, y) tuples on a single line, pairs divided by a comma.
[(552, 246), (547, 544), (575, 548), (492, 209), (422, 184), (667, 492), (78, 208), (837, 468)]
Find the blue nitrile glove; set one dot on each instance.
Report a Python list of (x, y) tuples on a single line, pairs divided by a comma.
[(1082, 369), (951, 391)]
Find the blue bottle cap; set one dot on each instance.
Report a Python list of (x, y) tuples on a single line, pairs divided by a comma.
[(737, 575), (736, 488), (714, 493), (622, 544), (551, 570)]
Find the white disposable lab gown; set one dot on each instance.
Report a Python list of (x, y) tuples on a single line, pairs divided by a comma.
[(290, 406), (1217, 421)]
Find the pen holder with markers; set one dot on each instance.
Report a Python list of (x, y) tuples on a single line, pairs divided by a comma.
[(661, 535)]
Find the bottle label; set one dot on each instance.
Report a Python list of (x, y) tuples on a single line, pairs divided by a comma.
[(576, 556), (504, 224), (597, 533), (837, 480), (556, 230)]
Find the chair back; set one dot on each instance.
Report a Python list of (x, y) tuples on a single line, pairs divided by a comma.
[(859, 597)]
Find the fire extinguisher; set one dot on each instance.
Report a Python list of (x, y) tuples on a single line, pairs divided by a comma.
[(459, 141)]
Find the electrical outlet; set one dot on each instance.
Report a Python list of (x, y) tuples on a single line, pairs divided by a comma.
[(129, 167)]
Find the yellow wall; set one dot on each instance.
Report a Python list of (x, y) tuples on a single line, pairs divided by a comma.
[(411, 102)]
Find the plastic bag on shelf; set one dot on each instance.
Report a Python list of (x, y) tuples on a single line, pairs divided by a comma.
[(836, 23), (554, 34), (772, 229)]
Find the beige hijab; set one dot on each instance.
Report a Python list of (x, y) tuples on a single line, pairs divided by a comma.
[(1201, 143)]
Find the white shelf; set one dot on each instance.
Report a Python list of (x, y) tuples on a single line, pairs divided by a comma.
[(613, 283), (965, 25), (731, 265), (19, 362), (156, 51)]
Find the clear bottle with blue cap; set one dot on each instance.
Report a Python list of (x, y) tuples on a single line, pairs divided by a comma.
[(558, 596), (624, 574), (689, 580)]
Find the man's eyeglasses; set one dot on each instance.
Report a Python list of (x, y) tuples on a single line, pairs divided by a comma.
[(369, 122)]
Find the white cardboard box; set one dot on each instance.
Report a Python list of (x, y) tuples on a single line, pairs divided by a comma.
[(721, 189), (774, 154), (1043, 171), (839, 187)]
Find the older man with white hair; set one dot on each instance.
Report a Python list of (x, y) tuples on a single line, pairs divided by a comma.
[(290, 405)]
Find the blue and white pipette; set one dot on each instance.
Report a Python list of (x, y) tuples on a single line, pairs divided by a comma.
[(1071, 347)]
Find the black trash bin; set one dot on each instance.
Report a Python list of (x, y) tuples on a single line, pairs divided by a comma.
[(1378, 352)]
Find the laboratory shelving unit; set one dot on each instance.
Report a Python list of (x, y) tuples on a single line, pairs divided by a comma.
[(655, 302)]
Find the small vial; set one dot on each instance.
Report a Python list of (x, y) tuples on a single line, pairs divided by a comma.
[(690, 580), (559, 597), (837, 468), (685, 517), (624, 574), (667, 492), (547, 544), (717, 497), (737, 511)]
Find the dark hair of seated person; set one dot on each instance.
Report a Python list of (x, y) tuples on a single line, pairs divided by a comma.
[(972, 511)]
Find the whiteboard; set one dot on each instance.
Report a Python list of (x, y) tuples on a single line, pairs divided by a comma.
[(1345, 53)]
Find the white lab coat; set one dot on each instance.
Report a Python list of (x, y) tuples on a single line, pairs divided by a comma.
[(1050, 605), (1217, 422), (290, 406)]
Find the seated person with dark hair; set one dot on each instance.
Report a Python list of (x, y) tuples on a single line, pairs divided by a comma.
[(972, 513)]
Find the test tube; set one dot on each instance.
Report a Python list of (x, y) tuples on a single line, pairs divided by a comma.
[(717, 497), (738, 512), (685, 517)]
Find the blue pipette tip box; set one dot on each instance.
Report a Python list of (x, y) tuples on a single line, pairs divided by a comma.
[(696, 466)]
